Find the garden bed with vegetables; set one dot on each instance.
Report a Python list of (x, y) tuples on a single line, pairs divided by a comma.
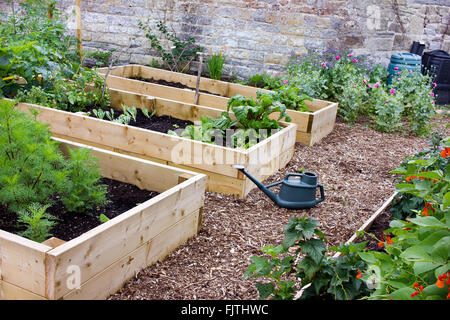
[(314, 118), (194, 147), (55, 187)]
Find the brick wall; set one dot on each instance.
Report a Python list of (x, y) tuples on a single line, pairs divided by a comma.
[(262, 35)]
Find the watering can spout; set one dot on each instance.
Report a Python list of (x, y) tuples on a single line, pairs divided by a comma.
[(263, 188)]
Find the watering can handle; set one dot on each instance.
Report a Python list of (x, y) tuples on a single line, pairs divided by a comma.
[(293, 174), (322, 194)]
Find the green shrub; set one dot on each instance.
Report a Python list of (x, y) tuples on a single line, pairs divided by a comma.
[(37, 221), (320, 275), (34, 170), (176, 53)]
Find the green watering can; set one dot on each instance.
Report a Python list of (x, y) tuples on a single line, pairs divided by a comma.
[(298, 190)]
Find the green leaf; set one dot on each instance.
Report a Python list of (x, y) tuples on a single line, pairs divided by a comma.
[(314, 248), (428, 222), (401, 294), (441, 250), (309, 267), (446, 200), (422, 267), (416, 253), (265, 289)]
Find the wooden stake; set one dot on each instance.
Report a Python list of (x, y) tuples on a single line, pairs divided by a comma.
[(78, 19), (199, 74)]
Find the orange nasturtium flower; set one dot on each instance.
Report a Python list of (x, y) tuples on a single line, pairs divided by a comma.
[(440, 283), (359, 275), (425, 209), (445, 153)]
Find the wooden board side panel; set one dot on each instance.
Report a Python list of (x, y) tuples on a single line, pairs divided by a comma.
[(10, 291), (140, 141), (100, 247), (22, 262), (323, 123), (156, 249), (209, 85), (133, 170)]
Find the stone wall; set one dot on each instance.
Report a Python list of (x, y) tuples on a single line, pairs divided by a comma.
[(262, 35)]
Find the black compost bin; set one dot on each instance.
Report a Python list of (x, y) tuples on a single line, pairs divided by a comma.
[(437, 64)]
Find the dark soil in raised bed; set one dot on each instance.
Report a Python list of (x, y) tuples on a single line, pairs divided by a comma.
[(171, 84), (161, 124), (379, 225), (122, 197)]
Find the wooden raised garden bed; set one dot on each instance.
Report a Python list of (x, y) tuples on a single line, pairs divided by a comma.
[(311, 126), (261, 160), (114, 251)]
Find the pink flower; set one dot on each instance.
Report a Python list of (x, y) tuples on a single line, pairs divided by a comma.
[(399, 79), (399, 73), (350, 55), (324, 64), (432, 102), (337, 57), (434, 84), (376, 85), (396, 68), (369, 86), (285, 81), (365, 81), (387, 101), (432, 94), (355, 61), (392, 92)]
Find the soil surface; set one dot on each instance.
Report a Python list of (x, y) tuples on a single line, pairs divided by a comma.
[(121, 196), (379, 225), (171, 84), (352, 163), (156, 123)]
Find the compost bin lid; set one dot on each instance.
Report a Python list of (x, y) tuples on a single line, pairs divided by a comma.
[(406, 58), (438, 53)]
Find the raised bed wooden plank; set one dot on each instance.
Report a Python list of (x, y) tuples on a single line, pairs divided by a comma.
[(150, 252), (311, 126), (22, 262), (9, 291), (33, 270)]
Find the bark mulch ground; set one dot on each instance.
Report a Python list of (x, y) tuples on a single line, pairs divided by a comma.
[(353, 163)]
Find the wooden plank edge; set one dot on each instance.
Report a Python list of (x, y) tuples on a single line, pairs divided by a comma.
[(171, 237)]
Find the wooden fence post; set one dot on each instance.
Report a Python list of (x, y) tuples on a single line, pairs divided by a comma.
[(78, 19)]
